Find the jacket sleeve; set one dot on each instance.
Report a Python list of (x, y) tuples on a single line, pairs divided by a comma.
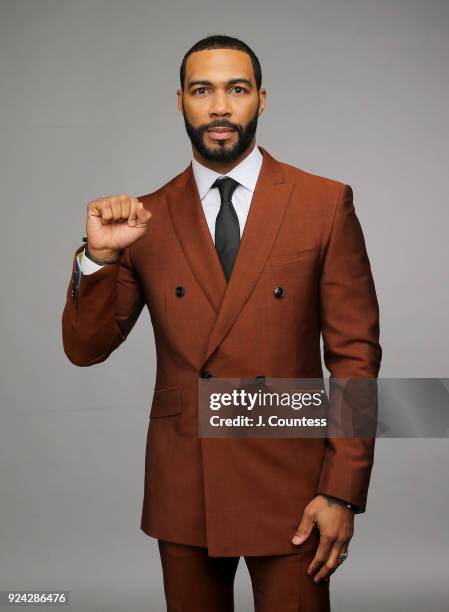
[(349, 314), (100, 310)]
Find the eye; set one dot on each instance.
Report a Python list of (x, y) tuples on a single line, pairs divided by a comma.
[(199, 89), (242, 89)]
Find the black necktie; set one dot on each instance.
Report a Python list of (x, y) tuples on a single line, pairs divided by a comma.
[(227, 228)]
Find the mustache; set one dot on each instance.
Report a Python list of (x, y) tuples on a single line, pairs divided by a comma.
[(221, 123)]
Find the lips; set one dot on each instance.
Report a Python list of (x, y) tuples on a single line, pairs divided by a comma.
[(220, 133)]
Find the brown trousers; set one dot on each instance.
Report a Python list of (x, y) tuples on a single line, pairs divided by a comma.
[(196, 582)]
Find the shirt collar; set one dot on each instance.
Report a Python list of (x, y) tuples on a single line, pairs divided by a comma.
[(246, 172)]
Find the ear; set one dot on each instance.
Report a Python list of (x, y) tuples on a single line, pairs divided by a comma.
[(179, 93), (262, 99)]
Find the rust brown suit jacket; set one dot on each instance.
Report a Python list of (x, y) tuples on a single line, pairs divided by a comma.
[(239, 496)]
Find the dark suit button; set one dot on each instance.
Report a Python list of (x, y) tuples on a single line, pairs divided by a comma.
[(179, 291), (279, 292), (205, 374), (260, 380)]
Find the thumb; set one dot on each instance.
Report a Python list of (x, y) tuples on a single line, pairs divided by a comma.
[(143, 216), (305, 528)]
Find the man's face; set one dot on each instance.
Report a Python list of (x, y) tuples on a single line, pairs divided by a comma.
[(220, 103)]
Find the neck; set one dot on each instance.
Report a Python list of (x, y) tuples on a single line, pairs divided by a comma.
[(223, 167)]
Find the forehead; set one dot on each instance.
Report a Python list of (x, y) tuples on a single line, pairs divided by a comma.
[(218, 64)]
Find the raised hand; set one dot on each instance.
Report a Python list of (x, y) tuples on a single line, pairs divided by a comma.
[(114, 223)]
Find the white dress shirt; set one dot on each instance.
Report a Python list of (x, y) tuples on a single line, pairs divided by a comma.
[(245, 173)]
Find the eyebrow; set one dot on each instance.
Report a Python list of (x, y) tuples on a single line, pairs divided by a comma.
[(230, 82)]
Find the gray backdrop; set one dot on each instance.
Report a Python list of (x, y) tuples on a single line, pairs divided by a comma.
[(357, 91)]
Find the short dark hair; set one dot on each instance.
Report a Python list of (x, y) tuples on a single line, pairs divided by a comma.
[(220, 41)]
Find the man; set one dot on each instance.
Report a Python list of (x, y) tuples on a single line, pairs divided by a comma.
[(243, 261)]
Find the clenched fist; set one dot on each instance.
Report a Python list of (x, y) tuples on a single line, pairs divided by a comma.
[(114, 223)]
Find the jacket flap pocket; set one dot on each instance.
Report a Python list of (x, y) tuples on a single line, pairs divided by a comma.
[(293, 256), (166, 402)]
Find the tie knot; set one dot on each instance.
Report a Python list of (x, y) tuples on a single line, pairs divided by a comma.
[(226, 187)]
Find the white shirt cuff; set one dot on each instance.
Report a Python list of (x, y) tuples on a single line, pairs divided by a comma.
[(87, 265)]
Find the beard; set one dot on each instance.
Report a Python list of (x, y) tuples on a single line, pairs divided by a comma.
[(222, 152)]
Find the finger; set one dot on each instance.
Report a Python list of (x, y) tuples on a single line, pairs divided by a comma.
[(95, 207), (332, 562), (143, 215), (322, 553), (116, 205), (339, 547), (305, 527), (132, 219), (328, 578), (106, 211), (126, 205)]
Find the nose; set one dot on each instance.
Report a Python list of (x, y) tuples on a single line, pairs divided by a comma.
[(220, 106)]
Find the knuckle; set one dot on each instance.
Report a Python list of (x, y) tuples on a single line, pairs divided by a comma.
[(326, 537)]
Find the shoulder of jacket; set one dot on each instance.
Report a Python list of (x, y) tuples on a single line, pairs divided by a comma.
[(313, 183), (322, 193), (156, 197)]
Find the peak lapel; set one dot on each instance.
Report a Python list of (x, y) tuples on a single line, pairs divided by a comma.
[(268, 205), (191, 227)]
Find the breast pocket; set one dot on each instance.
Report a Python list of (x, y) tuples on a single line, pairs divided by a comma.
[(166, 402), (294, 256)]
